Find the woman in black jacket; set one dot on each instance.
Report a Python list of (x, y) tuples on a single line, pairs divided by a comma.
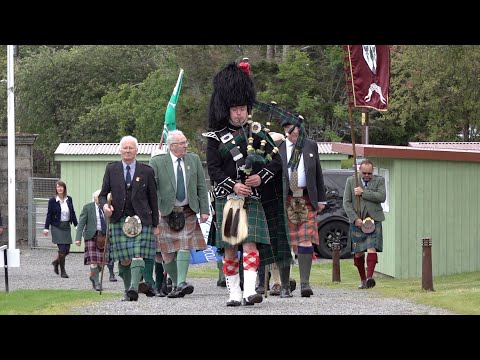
[(60, 215)]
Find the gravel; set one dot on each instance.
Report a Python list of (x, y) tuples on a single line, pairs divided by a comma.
[(36, 272)]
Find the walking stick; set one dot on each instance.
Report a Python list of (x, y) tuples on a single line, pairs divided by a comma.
[(107, 238)]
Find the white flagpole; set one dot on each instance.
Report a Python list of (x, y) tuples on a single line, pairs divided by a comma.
[(13, 256)]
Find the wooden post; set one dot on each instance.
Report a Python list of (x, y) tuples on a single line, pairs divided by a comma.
[(427, 280), (336, 262)]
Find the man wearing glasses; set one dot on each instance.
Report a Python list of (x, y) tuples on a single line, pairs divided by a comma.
[(371, 192), (182, 194)]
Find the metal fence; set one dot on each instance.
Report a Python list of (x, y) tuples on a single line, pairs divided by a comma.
[(39, 191)]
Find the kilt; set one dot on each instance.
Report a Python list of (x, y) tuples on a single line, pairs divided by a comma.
[(306, 231), (361, 241), (274, 207), (126, 248), (93, 255), (257, 229), (189, 238), (62, 234)]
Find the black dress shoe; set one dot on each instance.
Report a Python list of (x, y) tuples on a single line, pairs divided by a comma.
[(370, 283), (285, 293), (181, 290), (112, 278), (253, 299), (260, 289), (146, 288), (234, 303), (132, 294), (306, 290), (222, 282)]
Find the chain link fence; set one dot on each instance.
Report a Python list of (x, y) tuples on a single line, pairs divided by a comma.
[(40, 190)]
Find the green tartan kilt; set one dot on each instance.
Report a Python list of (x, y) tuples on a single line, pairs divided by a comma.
[(361, 241), (257, 229), (277, 225), (125, 248)]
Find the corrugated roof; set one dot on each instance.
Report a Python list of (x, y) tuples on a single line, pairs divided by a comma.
[(325, 148), (100, 149), (446, 145)]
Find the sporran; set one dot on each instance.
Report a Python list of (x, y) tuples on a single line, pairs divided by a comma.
[(297, 211), (100, 241), (368, 225), (132, 226), (176, 219)]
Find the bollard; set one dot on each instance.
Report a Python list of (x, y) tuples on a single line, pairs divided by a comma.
[(427, 280), (336, 261)]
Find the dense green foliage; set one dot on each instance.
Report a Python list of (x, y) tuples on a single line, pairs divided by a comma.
[(98, 93)]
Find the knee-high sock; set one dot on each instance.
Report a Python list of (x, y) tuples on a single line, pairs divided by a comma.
[(274, 271), (359, 262), (261, 276), (125, 274), (372, 260), (110, 269), (136, 268), (221, 275), (94, 274), (305, 258), (148, 271), (284, 276), (171, 269), (183, 261), (158, 275)]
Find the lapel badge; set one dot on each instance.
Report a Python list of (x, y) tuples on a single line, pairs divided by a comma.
[(188, 167), (311, 155), (137, 179)]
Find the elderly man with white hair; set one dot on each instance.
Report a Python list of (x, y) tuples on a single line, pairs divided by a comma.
[(91, 226)]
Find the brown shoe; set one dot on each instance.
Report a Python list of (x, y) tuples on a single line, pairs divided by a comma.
[(275, 290), (363, 284)]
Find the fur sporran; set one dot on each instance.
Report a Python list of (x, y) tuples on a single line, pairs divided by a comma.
[(368, 225), (176, 219), (100, 241), (235, 221), (132, 226), (297, 211)]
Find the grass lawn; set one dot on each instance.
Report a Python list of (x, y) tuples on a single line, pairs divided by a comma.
[(459, 293), (47, 302)]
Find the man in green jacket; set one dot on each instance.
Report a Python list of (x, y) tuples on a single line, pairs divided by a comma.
[(371, 191), (182, 194), (91, 225)]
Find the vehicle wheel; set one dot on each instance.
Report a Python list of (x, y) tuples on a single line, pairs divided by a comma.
[(335, 231)]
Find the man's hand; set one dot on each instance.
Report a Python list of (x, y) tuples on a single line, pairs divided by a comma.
[(78, 242), (108, 210), (204, 218), (253, 180), (242, 190)]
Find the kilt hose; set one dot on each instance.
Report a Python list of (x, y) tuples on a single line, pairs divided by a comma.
[(189, 238), (361, 241), (93, 255), (257, 229), (126, 248), (275, 213), (306, 231)]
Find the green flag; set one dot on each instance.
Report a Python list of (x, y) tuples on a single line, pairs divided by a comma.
[(170, 121)]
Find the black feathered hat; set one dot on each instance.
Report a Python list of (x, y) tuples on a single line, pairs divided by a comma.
[(232, 86)]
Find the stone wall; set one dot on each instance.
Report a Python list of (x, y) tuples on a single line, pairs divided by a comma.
[(23, 170)]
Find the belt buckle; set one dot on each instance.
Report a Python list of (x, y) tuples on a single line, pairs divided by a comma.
[(297, 193)]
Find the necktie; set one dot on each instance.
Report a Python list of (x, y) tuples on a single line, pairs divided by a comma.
[(102, 221), (180, 182), (294, 180), (366, 183), (128, 178)]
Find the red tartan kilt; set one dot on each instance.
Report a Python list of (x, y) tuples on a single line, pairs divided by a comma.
[(307, 231)]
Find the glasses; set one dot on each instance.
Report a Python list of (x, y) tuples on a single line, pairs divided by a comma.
[(363, 173), (183, 143)]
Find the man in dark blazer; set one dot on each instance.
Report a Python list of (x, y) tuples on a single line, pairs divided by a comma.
[(371, 190), (133, 214), (305, 195)]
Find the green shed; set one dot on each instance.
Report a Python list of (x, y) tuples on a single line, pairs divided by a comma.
[(83, 167), (330, 159), (431, 193)]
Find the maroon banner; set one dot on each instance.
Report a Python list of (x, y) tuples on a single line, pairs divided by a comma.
[(370, 74)]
